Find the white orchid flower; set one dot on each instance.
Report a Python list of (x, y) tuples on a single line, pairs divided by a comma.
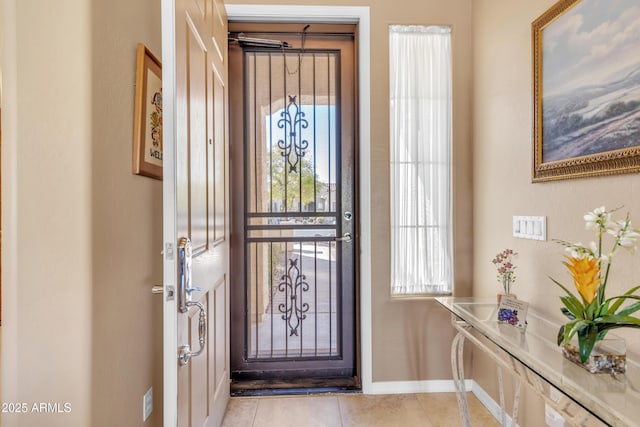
[(599, 220), (628, 239), (578, 250), (595, 214), (591, 222)]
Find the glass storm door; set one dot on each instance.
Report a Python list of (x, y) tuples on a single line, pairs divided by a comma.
[(299, 222)]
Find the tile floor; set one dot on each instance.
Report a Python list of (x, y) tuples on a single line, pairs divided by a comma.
[(342, 410)]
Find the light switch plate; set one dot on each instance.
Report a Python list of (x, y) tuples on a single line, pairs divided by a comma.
[(147, 404), (530, 227)]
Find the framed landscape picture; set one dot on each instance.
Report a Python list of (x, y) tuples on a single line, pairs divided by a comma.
[(147, 124), (586, 89)]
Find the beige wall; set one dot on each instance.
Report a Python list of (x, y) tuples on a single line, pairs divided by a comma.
[(53, 224), (502, 165), (81, 325), (502, 173), (127, 224), (411, 339)]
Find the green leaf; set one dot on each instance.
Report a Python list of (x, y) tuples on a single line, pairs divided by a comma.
[(572, 328), (627, 320), (632, 290), (607, 326), (602, 309), (562, 286), (591, 310), (631, 309), (586, 341), (575, 307), (567, 313), (560, 337), (627, 294), (570, 301)]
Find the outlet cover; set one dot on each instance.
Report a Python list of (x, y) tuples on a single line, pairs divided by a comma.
[(552, 417), (147, 404)]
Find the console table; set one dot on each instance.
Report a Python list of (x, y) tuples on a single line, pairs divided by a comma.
[(532, 356)]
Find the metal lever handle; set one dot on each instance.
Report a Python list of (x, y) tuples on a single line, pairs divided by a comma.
[(184, 279), (346, 238), (184, 352), (189, 290)]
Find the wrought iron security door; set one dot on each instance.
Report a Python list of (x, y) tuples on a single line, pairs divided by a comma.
[(298, 244)]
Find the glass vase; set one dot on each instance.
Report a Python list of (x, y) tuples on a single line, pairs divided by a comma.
[(506, 284), (609, 356)]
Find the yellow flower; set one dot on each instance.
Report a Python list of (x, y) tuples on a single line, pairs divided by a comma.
[(586, 276)]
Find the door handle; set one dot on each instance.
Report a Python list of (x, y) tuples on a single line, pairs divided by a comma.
[(184, 301), (184, 274), (184, 352), (345, 238)]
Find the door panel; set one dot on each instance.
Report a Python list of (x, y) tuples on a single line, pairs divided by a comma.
[(197, 138), (221, 375), (200, 214), (199, 397), (296, 244), (219, 27), (219, 158)]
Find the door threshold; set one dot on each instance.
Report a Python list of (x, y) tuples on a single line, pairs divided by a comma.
[(294, 387), (294, 392)]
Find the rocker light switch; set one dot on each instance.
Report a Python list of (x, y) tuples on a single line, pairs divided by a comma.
[(530, 227)]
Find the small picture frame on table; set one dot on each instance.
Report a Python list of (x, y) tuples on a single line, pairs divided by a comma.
[(513, 311)]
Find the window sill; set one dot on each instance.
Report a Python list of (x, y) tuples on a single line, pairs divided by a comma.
[(417, 297)]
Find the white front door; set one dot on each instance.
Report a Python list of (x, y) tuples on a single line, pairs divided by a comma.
[(195, 213)]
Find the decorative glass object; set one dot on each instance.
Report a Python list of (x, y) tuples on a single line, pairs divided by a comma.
[(607, 357)]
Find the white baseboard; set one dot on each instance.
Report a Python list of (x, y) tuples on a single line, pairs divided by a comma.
[(428, 386), (492, 406)]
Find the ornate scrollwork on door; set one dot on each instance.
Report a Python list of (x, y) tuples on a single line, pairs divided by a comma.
[(293, 309), (293, 121)]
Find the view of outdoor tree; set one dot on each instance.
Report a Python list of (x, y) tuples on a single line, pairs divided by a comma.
[(297, 188)]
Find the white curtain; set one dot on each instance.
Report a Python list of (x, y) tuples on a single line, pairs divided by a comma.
[(420, 92)]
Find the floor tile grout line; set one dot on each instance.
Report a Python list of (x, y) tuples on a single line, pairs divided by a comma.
[(340, 411), (255, 413)]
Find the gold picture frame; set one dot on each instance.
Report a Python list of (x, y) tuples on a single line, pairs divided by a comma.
[(147, 127), (586, 114)]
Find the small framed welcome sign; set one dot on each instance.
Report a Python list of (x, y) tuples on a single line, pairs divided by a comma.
[(513, 312), (147, 126)]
